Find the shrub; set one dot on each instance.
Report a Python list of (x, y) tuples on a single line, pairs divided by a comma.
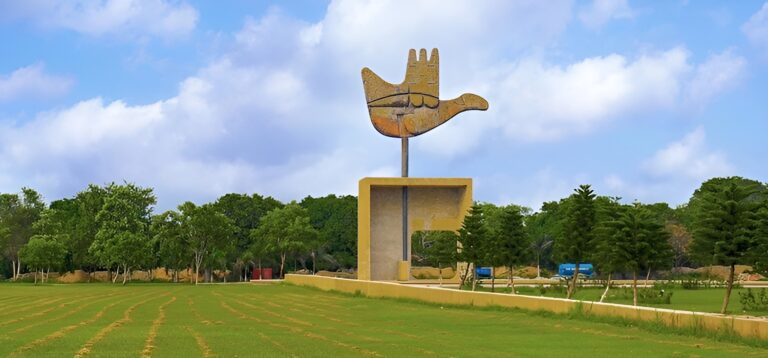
[(649, 295), (754, 301)]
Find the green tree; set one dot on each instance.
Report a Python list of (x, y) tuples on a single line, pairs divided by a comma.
[(124, 222), (173, 249), (43, 253), (575, 242), (245, 212), (18, 213), (725, 221), (286, 231), (511, 241), (543, 227), (435, 249), (335, 218), (759, 256), (207, 232), (472, 234), (637, 241)]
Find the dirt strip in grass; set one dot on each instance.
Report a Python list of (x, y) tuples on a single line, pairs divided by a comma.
[(87, 347)]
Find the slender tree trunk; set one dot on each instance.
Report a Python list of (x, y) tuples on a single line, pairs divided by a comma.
[(35, 277), (538, 266), (474, 278), (647, 277), (512, 281), (728, 289), (607, 286), (314, 262), (493, 278), (126, 273), (13, 270), (117, 274), (282, 264), (634, 287), (261, 277), (464, 278), (572, 286), (440, 272), (18, 267), (47, 274), (197, 271)]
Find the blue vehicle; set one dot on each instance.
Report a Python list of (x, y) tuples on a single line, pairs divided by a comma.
[(567, 270), (483, 272)]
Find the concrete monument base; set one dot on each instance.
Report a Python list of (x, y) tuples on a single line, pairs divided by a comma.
[(433, 204)]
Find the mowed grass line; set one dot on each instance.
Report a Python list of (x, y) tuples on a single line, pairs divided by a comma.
[(89, 301), (43, 310), (356, 333), (167, 320), (123, 348), (68, 336), (323, 332)]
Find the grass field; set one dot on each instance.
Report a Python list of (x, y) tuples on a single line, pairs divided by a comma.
[(167, 320), (702, 300)]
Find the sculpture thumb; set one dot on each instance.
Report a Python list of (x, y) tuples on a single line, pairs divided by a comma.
[(466, 102)]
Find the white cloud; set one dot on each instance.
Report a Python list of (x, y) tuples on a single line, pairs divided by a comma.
[(600, 12), (536, 101), (717, 74), (756, 28), (282, 111), (32, 81), (689, 158), (160, 18)]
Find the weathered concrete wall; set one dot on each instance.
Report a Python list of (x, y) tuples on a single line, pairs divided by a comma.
[(433, 204), (742, 326)]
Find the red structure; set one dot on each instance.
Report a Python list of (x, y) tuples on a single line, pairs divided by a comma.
[(263, 274)]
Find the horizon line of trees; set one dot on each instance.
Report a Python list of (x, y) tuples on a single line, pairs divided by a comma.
[(113, 228), (724, 223)]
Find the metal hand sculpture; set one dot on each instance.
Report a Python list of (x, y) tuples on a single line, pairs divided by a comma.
[(414, 106)]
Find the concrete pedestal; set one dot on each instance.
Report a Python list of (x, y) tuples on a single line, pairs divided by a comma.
[(433, 204)]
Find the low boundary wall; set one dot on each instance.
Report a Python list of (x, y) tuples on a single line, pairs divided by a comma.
[(743, 326)]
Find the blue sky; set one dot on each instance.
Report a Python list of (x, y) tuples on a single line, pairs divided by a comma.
[(643, 100)]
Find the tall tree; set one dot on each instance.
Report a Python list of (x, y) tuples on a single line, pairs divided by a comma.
[(543, 227), (725, 221), (335, 218), (18, 213), (286, 231), (207, 230), (245, 212), (637, 241), (472, 234), (172, 244), (89, 203), (575, 242), (759, 256), (124, 222), (512, 241)]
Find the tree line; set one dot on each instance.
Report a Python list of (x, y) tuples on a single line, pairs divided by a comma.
[(113, 228), (725, 222)]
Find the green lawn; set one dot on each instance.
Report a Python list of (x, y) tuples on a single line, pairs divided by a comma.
[(168, 320), (702, 300)]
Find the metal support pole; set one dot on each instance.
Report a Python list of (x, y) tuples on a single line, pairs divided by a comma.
[(405, 197)]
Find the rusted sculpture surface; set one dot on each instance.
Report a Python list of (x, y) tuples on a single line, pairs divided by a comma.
[(414, 106)]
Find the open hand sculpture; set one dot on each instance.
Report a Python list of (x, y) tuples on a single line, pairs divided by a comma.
[(414, 106)]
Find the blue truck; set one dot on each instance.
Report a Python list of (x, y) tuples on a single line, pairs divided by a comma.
[(567, 270)]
